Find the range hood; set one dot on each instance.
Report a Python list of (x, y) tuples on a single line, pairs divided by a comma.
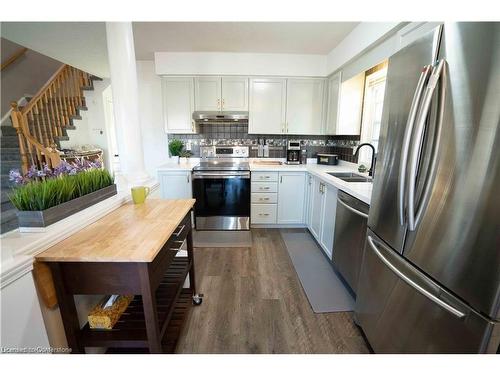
[(220, 116)]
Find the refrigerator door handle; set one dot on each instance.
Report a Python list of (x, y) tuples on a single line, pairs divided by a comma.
[(415, 104), (419, 133), (418, 282)]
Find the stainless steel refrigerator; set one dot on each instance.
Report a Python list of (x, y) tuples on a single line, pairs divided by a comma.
[(430, 277)]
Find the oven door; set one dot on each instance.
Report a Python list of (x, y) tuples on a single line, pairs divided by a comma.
[(222, 200)]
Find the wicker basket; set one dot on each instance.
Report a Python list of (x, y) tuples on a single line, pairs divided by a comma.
[(106, 318)]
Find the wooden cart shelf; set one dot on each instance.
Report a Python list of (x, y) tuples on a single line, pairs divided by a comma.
[(130, 330)]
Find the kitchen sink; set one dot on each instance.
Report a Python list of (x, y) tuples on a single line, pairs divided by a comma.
[(350, 177)]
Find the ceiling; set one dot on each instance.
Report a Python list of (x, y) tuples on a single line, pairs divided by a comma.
[(83, 44), (257, 37)]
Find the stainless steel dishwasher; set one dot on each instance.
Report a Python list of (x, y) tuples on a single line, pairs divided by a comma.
[(349, 240)]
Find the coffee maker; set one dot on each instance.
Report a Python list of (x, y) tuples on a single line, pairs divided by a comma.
[(293, 152)]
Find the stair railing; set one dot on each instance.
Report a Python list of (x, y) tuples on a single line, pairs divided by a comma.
[(44, 120)]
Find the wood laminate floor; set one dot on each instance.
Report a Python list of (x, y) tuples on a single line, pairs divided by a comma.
[(254, 303)]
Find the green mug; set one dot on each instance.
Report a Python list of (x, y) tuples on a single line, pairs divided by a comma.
[(139, 194)]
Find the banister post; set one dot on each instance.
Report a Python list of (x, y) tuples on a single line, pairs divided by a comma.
[(16, 117)]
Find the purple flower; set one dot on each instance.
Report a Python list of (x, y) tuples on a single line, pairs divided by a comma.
[(16, 176)]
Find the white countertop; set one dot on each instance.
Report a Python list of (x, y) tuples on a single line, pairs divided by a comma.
[(359, 190)]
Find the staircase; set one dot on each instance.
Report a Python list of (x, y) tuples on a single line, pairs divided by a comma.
[(32, 135), (10, 159)]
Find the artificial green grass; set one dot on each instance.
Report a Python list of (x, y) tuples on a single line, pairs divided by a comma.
[(40, 195)]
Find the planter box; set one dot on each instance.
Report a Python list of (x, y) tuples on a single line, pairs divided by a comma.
[(32, 219)]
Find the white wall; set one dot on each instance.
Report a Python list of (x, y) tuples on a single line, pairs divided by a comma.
[(220, 63), (363, 37), (91, 129), (80, 44), (21, 319), (154, 138)]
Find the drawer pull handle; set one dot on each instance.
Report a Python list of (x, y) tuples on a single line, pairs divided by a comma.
[(180, 231), (264, 188), (263, 214), (180, 243), (264, 199)]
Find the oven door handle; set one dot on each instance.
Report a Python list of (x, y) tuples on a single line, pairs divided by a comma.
[(223, 175)]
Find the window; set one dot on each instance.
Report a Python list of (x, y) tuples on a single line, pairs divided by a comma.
[(373, 102)]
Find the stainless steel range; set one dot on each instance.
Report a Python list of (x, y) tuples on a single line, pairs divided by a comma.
[(221, 187)]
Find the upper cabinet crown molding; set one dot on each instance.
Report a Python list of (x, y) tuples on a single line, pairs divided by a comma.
[(221, 93)]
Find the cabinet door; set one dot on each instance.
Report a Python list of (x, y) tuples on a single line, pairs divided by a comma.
[(351, 106), (308, 195), (178, 104), (207, 93), (328, 219), (267, 105), (234, 94), (291, 196), (304, 106), (316, 212), (175, 185), (333, 103)]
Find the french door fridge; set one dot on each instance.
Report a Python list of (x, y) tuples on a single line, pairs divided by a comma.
[(430, 278)]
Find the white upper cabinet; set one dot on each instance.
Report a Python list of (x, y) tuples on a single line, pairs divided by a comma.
[(208, 93), (234, 94), (351, 106), (333, 103), (304, 106), (221, 93), (178, 104), (267, 105)]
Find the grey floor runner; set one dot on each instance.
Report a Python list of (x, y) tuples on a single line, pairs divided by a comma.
[(324, 290)]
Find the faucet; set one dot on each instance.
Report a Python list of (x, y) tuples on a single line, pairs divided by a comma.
[(371, 171)]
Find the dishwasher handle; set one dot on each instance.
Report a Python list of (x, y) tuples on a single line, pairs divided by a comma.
[(357, 212)]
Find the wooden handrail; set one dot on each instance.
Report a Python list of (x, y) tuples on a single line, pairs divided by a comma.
[(42, 122), (40, 92), (13, 58)]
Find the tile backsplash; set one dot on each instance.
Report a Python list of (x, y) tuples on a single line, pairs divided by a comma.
[(236, 133)]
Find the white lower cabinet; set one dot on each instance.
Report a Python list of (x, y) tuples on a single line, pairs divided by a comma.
[(291, 197), (278, 198), (322, 209), (263, 214), (328, 219), (175, 185)]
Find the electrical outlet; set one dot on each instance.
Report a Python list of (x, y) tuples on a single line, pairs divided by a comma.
[(188, 146)]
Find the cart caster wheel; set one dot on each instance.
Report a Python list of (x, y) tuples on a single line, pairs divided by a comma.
[(197, 299)]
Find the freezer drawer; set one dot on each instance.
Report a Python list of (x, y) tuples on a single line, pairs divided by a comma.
[(401, 310), (349, 240)]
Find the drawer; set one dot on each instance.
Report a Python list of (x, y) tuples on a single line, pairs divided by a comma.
[(265, 198), (263, 213), (265, 176), (264, 187)]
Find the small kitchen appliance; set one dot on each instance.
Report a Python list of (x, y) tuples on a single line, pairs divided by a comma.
[(327, 159), (293, 152)]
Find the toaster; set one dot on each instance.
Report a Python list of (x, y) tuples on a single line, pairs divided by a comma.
[(327, 159)]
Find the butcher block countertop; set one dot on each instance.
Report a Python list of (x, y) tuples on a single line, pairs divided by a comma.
[(131, 233)]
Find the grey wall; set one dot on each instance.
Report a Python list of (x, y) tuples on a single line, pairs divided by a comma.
[(26, 75)]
